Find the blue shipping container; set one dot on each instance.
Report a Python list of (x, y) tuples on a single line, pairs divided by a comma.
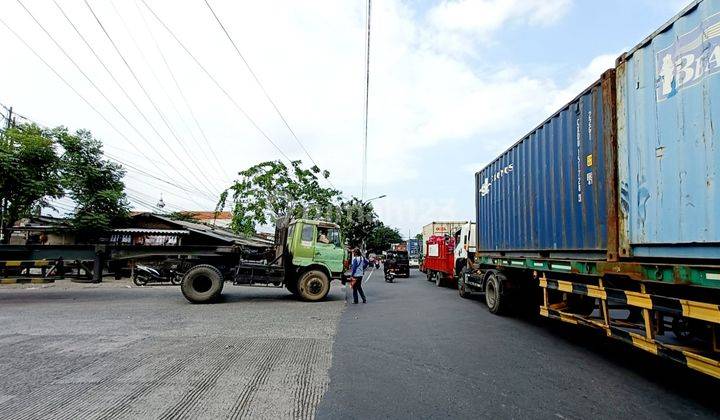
[(413, 247), (548, 194), (668, 114)]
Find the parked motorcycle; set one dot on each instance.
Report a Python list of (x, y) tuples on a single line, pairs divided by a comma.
[(144, 274)]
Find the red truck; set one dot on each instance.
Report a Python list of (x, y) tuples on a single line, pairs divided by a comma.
[(439, 263), (446, 255)]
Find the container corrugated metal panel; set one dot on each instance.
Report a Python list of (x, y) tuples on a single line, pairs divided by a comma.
[(548, 194), (668, 101)]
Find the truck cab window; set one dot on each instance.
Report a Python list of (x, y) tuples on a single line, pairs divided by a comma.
[(307, 233), (334, 237), (291, 231), (328, 236)]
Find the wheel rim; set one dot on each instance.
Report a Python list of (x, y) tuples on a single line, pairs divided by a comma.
[(491, 294), (314, 286)]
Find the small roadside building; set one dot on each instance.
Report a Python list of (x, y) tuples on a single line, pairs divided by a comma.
[(155, 229), (42, 230)]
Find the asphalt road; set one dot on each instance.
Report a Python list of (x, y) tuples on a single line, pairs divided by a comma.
[(117, 351), (418, 351)]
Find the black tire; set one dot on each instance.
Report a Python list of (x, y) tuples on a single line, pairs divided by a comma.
[(462, 286), (494, 298), (313, 286), (202, 284), (429, 275), (176, 279), (139, 281), (439, 280)]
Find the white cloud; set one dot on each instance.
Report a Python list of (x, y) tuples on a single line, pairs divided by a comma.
[(484, 17), (423, 102), (581, 80)]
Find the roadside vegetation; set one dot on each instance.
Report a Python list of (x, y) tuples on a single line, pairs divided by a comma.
[(38, 165), (271, 190)]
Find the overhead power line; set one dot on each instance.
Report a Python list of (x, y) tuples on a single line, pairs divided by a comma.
[(167, 95), (219, 86), (147, 95), (79, 68), (220, 166), (259, 83), (126, 164)]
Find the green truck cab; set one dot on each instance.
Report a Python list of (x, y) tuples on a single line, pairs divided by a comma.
[(308, 255), (315, 255)]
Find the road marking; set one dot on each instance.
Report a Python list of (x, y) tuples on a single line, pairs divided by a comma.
[(371, 273)]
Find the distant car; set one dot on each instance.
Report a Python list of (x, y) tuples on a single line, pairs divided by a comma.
[(414, 262)]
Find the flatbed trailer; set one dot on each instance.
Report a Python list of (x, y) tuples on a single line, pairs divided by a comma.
[(299, 261), (665, 309)]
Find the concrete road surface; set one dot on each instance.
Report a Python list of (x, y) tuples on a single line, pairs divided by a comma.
[(414, 351), (116, 351)]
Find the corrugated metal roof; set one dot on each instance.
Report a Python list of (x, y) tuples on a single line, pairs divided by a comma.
[(219, 233), (152, 231)]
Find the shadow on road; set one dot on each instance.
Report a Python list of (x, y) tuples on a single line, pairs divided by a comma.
[(664, 373)]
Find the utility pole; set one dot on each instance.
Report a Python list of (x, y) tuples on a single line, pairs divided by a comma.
[(2, 199), (367, 102)]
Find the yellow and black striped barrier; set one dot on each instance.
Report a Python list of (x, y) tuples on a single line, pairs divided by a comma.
[(26, 271), (653, 308), (672, 306), (24, 280), (684, 355), (26, 264)]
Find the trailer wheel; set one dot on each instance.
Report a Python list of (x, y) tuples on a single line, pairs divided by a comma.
[(496, 302), (313, 286), (439, 280), (202, 284), (462, 286)]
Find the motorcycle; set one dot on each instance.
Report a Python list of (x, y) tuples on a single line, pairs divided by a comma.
[(389, 275), (144, 274)]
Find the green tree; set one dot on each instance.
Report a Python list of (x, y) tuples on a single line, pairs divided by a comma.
[(270, 190), (357, 220), (95, 184), (381, 237), (29, 173)]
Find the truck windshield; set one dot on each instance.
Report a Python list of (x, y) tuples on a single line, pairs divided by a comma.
[(328, 236)]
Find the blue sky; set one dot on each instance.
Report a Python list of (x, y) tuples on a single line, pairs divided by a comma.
[(559, 52), (453, 84)]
